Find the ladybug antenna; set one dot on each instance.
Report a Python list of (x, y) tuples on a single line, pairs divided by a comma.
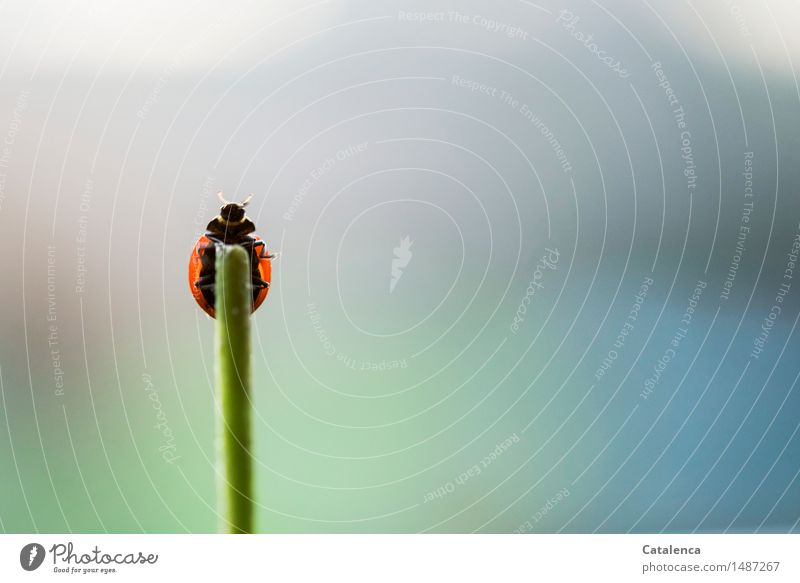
[(225, 201)]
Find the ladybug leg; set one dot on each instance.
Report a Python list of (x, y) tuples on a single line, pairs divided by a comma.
[(260, 283), (205, 282), (261, 254)]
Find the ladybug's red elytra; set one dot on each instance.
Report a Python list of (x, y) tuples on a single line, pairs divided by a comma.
[(230, 227)]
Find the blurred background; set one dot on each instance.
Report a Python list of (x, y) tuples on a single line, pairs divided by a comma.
[(538, 263)]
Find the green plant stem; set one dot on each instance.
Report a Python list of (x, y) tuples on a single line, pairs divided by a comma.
[(233, 305)]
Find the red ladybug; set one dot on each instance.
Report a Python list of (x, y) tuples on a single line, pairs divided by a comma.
[(230, 227)]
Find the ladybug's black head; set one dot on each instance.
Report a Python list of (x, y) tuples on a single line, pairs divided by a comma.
[(231, 225), (232, 212)]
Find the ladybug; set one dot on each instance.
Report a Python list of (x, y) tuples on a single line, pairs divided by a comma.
[(230, 227)]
